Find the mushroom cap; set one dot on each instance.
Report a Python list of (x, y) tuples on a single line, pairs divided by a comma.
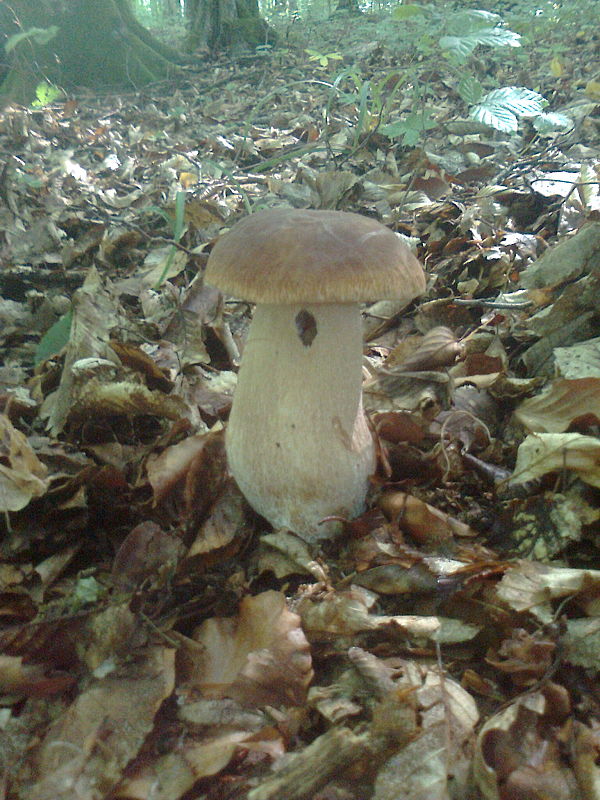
[(288, 255)]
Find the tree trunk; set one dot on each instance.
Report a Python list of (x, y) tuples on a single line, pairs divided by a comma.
[(96, 43), (351, 6), (226, 25)]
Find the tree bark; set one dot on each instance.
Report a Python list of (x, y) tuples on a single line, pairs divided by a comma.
[(351, 6)]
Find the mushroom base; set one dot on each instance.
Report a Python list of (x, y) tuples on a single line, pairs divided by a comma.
[(298, 443)]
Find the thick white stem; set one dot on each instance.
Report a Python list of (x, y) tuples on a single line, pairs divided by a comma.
[(298, 443)]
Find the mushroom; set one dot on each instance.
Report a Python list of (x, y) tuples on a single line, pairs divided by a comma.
[(298, 443)]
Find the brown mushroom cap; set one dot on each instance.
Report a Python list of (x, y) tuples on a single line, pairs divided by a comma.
[(287, 255)]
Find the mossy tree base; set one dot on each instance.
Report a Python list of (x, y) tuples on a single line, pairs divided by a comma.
[(99, 44), (227, 25)]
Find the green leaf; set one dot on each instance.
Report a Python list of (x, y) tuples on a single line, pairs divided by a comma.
[(548, 122), (178, 231), (470, 89), (410, 128), (520, 101), (322, 58), (86, 590), (393, 129), (496, 115), (45, 93), (462, 46), (411, 137), (55, 338), (29, 180), (179, 227), (407, 11), (472, 20), (501, 108), (498, 37), (40, 36), (458, 46)]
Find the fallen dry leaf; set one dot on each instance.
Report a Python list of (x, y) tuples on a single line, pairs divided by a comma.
[(90, 744), (22, 474), (525, 657), (422, 521), (346, 613), (95, 314), (564, 403), (169, 776), (435, 764), (582, 643), (530, 586), (146, 552), (35, 680), (260, 657), (520, 751), (541, 453), (439, 348), (127, 534)]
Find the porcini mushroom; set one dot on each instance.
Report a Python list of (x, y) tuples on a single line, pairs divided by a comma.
[(298, 443)]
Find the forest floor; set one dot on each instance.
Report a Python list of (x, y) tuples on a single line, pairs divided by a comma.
[(158, 640)]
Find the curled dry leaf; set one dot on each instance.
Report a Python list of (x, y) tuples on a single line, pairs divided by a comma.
[(525, 657), (22, 474), (398, 579), (187, 460), (337, 613), (464, 427), (541, 453), (95, 314), (146, 552), (530, 586), (439, 348), (426, 524), (206, 477), (520, 751), (406, 462), (384, 573), (565, 402), (477, 402), (345, 613), (425, 391), (169, 467), (260, 657), (30, 680), (223, 527), (136, 359), (400, 426), (125, 397), (215, 731), (283, 553)]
